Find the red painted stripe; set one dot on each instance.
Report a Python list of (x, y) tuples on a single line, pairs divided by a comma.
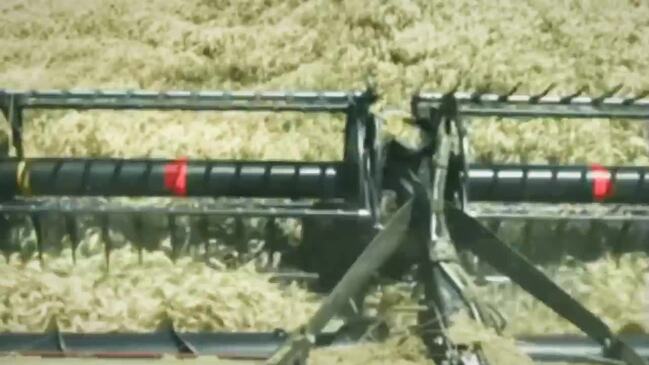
[(175, 176), (602, 184), (110, 355), (47, 354), (127, 355)]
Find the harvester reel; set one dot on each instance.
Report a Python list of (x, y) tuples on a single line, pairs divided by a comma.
[(347, 239)]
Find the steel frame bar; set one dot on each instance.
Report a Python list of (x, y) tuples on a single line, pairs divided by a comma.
[(206, 209), (560, 184), (476, 104), (259, 345), (305, 101), (155, 177), (139, 177)]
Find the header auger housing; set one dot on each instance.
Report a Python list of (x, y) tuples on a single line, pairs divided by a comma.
[(433, 229)]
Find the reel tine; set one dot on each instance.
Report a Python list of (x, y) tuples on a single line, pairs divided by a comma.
[(608, 94), (598, 232), (631, 100), (568, 98), (622, 236), (173, 236), (37, 221), (239, 236), (271, 235), (624, 231), (105, 234), (494, 225), (476, 95), (535, 98), (138, 226), (505, 97), (527, 233), (203, 227), (560, 231), (4, 229), (72, 230), (454, 89)]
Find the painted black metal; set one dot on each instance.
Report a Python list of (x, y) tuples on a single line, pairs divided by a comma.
[(331, 261), (354, 105), (226, 345), (261, 345), (215, 209), (466, 232), (323, 180), (166, 340), (354, 280), (585, 232), (119, 177), (555, 184), (543, 105), (305, 101), (572, 348)]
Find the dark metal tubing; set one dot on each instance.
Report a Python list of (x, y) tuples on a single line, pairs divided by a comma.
[(121, 177), (560, 348), (260, 345), (227, 345), (486, 183), (555, 184), (12, 103)]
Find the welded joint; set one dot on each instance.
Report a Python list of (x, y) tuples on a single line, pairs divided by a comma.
[(295, 349), (184, 347)]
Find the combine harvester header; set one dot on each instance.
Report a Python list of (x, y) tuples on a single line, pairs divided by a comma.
[(435, 188)]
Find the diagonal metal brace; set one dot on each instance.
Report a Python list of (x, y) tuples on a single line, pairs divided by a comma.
[(373, 257), (467, 232)]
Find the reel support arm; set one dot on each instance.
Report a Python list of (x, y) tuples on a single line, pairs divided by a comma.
[(443, 279), (373, 257), (466, 233)]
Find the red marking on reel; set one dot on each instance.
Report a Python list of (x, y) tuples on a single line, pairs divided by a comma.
[(602, 184), (175, 176)]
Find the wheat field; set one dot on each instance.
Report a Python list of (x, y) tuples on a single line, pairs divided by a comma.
[(315, 45)]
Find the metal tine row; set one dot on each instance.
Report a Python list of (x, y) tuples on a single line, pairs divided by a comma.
[(302, 96), (559, 243), (73, 231), (54, 343), (169, 94), (198, 230), (543, 97), (204, 100), (596, 235)]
